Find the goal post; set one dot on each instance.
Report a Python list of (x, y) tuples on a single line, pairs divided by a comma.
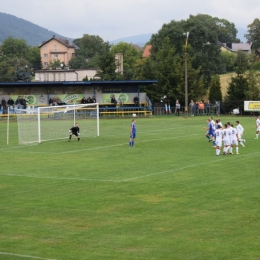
[(53, 122)]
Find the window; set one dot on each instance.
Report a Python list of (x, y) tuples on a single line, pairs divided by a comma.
[(56, 56), (55, 47), (45, 56), (45, 47), (45, 63)]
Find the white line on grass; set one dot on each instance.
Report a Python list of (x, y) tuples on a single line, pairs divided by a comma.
[(103, 147), (135, 178), (57, 178), (25, 256), (185, 167)]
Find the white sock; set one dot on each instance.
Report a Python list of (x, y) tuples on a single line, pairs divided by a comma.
[(237, 149)]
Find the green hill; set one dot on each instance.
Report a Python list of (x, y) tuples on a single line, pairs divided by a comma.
[(18, 28)]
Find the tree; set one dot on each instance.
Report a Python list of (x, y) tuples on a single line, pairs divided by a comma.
[(226, 30), (34, 57), (215, 93), (167, 67), (253, 34), (14, 48), (16, 58), (237, 92), (107, 65), (130, 57), (78, 62), (241, 63), (54, 64), (203, 41), (87, 56), (228, 61), (238, 89), (85, 79)]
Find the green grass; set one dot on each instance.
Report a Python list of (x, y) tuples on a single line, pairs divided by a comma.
[(170, 197)]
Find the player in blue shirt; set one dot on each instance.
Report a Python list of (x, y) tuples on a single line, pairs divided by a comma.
[(132, 133), (210, 131)]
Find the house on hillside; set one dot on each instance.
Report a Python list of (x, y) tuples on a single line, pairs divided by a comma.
[(235, 47), (147, 51), (56, 48)]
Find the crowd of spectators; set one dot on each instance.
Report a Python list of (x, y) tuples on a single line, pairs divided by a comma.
[(199, 108), (88, 100)]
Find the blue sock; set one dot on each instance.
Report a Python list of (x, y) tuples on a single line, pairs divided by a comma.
[(130, 143), (133, 143), (207, 136), (214, 143)]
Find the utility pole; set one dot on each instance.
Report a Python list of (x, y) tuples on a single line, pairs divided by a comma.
[(186, 74)]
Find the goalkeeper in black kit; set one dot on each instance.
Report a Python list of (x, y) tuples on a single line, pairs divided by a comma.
[(74, 131)]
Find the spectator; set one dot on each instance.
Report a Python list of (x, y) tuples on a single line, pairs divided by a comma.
[(191, 105), (208, 105), (136, 101), (216, 107), (201, 108), (113, 100), (50, 102), (4, 105), (83, 101), (196, 109), (177, 108), (119, 102), (10, 103), (94, 99), (18, 103), (89, 100), (23, 103)]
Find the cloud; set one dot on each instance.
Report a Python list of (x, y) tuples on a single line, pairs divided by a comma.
[(116, 19)]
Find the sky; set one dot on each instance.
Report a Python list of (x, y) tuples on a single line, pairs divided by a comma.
[(114, 19)]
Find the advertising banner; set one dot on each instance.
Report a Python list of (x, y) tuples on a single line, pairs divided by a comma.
[(124, 97), (251, 105), (70, 98), (30, 99)]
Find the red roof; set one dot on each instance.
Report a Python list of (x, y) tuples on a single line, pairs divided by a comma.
[(147, 51)]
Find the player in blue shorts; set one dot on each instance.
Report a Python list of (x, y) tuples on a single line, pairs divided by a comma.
[(132, 133), (209, 130)]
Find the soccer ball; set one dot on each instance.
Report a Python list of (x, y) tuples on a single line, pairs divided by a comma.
[(134, 115)]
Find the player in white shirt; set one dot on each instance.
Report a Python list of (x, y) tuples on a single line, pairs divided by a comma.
[(212, 121), (226, 139), (240, 131), (219, 136), (219, 122), (233, 139), (257, 122)]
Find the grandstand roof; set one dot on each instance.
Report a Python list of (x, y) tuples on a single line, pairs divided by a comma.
[(77, 83)]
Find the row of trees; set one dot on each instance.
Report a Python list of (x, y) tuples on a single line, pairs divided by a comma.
[(18, 60), (166, 62)]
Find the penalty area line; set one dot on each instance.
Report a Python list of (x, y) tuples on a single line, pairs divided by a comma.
[(25, 256), (131, 179), (185, 167), (58, 178)]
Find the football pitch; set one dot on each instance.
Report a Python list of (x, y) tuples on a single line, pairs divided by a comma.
[(169, 197)]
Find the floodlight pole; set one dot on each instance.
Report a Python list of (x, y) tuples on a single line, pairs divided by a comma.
[(186, 74)]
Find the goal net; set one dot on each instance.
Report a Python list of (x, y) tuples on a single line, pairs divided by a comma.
[(54, 122)]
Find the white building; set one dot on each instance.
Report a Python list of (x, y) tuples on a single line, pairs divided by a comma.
[(64, 75)]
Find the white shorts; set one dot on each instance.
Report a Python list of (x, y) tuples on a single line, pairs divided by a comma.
[(258, 129), (226, 142), (234, 142), (218, 142)]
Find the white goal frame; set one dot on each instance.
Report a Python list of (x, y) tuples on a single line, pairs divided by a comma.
[(58, 109)]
